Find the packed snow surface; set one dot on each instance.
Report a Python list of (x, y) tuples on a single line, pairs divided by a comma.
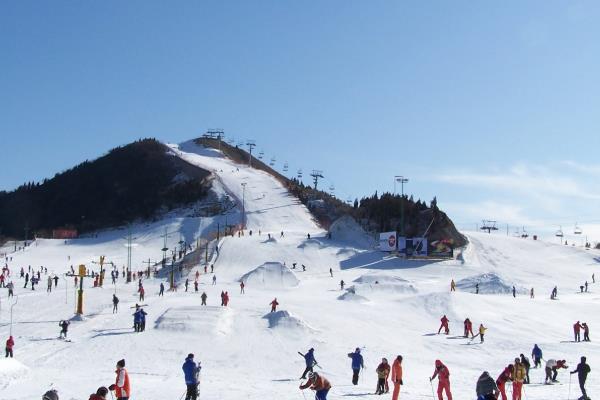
[(270, 275), (249, 353)]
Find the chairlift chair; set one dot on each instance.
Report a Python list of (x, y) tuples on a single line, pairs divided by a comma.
[(577, 230), (559, 232)]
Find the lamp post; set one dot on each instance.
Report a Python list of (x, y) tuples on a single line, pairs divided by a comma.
[(402, 180)]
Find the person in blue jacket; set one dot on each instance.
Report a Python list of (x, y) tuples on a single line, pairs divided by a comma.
[(357, 364), (309, 359), (191, 370), (137, 320), (536, 354)]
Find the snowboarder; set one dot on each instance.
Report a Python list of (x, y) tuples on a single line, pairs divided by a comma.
[(161, 291), (486, 388), (191, 371), (482, 330), (518, 378), (100, 394), (586, 332), (10, 343), (576, 331), (309, 359), (342, 284), (319, 384), (274, 305), (552, 367), (203, 297), (505, 376), (357, 364), (383, 372), (468, 328), (443, 374), (115, 301), (452, 286), (397, 377), (121, 385), (527, 364), (444, 324), (582, 372), (536, 354), (64, 327)]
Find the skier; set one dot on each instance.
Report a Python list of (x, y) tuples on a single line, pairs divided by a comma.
[(518, 378), (576, 330), (505, 376), (452, 286), (468, 328), (143, 320), (11, 288), (214, 280), (482, 330), (50, 395), (486, 388), (444, 321), (121, 385), (225, 298), (196, 286), (582, 372), (115, 301), (161, 292), (536, 354), (342, 284), (397, 377), (477, 288), (357, 364), (64, 327), (49, 288), (274, 305), (331, 272), (100, 394), (531, 294), (554, 293), (383, 372), (443, 374), (242, 285), (309, 359), (552, 367), (222, 298), (319, 384), (137, 320), (187, 283), (10, 343), (142, 292), (191, 370), (527, 365), (514, 292), (55, 280), (586, 332), (203, 297)]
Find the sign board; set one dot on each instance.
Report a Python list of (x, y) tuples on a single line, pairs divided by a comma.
[(442, 248), (388, 241), (82, 270), (412, 246)]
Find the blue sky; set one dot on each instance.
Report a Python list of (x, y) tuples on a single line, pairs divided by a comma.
[(493, 107)]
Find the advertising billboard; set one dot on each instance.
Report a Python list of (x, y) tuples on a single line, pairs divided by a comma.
[(387, 241)]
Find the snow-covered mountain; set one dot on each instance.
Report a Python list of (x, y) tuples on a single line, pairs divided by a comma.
[(389, 306)]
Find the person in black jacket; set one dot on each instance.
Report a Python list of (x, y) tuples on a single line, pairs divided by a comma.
[(486, 387), (582, 371)]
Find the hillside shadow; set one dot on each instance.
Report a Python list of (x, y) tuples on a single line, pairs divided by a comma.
[(378, 260)]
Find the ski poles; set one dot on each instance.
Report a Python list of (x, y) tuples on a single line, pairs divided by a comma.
[(569, 397), (432, 392)]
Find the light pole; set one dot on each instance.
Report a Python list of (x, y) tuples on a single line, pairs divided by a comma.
[(244, 205), (402, 180)]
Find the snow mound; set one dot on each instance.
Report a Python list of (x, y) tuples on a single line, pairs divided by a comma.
[(311, 244), (489, 283), (346, 229), (11, 369), (271, 275), (283, 319), (351, 295), (381, 282), (196, 319)]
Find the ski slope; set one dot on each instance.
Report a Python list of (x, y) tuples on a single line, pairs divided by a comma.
[(393, 307)]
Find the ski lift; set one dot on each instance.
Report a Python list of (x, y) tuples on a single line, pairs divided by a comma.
[(524, 233), (577, 230), (261, 154), (285, 167), (559, 233), (272, 162), (331, 189), (300, 174), (488, 226)]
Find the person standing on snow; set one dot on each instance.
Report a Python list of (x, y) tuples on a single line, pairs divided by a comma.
[(518, 378), (319, 384), (576, 331), (331, 272), (214, 280), (309, 359), (444, 324), (191, 371), (443, 374), (342, 284), (383, 372), (586, 332), (161, 292), (582, 372), (397, 377), (525, 362), (121, 385), (552, 367), (357, 364), (505, 376), (482, 330), (274, 305), (468, 327), (10, 343), (536, 354), (187, 283), (64, 327), (486, 388), (242, 285), (203, 297), (514, 291), (452, 286)]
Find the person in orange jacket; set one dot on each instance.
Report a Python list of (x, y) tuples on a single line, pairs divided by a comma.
[(397, 377), (274, 305), (317, 383), (505, 376), (9, 346), (443, 374), (121, 385), (444, 320)]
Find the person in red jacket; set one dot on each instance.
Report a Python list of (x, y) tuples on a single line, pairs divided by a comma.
[(468, 328), (274, 305), (100, 394), (576, 330), (504, 377), (397, 377), (9, 346), (443, 374), (317, 383), (444, 321), (121, 385)]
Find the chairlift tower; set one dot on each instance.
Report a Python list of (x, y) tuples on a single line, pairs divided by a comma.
[(316, 174), (250, 144)]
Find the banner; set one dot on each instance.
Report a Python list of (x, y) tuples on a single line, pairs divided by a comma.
[(387, 241), (442, 248)]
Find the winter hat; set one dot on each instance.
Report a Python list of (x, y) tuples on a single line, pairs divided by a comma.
[(50, 395), (190, 355), (438, 363), (357, 350), (121, 363), (102, 391)]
